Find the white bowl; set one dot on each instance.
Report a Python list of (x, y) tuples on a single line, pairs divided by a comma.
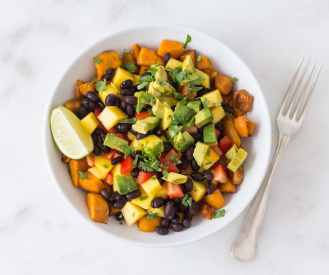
[(224, 60)]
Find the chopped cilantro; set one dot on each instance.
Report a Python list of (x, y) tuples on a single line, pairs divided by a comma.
[(130, 67), (151, 216), (92, 82), (127, 149), (206, 102), (221, 162), (130, 120), (160, 82), (143, 198), (234, 79), (219, 214), (217, 104), (105, 165), (187, 200), (153, 178), (101, 85), (134, 214), (208, 152), (228, 160), (229, 115), (169, 116), (210, 162), (149, 111), (198, 58), (97, 60), (188, 40), (82, 175), (175, 159), (167, 105), (134, 163)]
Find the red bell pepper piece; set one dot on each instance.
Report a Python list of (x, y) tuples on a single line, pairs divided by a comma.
[(172, 167), (172, 152), (98, 109), (217, 132), (109, 179), (144, 176), (126, 166), (174, 190), (112, 131), (225, 144), (220, 174), (143, 115)]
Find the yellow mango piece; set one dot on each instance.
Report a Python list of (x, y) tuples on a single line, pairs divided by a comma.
[(131, 136), (162, 193), (218, 113), (170, 100), (144, 201), (132, 213), (110, 89), (135, 79), (152, 186), (111, 115), (167, 117), (90, 122), (199, 189), (120, 76), (103, 164), (159, 211), (116, 171), (211, 159), (97, 173), (213, 97), (151, 142)]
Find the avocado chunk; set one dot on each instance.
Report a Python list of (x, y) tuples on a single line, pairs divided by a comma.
[(190, 122), (145, 125), (152, 90), (157, 109), (176, 178), (140, 103), (182, 114), (231, 153), (200, 151), (161, 73), (115, 142), (237, 161), (195, 105), (173, 131), (183, 141), (203, 117), (163, 87), (209, 134), (188, 65), (125, 185)]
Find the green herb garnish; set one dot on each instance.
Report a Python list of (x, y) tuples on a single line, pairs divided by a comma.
[(188, 40), (105, 165), (127, 149), (217, 104), (175, 159), (198, 58), (229, 115), (143, 198), (92, 82), (130, 67), (82, 175), (151, 216), (234, 79), (101, 85), (130, 120), (97, 60), (187, 200), (149, 111), (219, 214), (206, 102)]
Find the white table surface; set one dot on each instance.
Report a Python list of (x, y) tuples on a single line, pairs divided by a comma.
[(39, 234)]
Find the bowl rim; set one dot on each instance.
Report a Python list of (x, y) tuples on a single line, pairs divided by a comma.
[(46, 127)]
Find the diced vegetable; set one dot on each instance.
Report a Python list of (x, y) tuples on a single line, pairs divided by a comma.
[(91, 183), (109, 179), (241, 126), (148, 57), (225, 144), (204, 63), (98, 208), (199, 189), (237, 176), (227, 187), (120, 76), (74, 104), (215, 200), (206, 210), (174, 190), (172, 167), (126, 166), (132, 213), (86, 87), (251, 126), (149, 225), (230, 131), (224, 84), (143, 115), (175, 48), (143, 69), (135, 50), (129, 58), (144, 176), (91, 160), (243, 100), (191, 53), (109, 59), (220, 174), (75, 166), (151, 186)]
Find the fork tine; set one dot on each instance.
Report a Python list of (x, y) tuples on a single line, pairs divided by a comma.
[(297, 88), (302, 116), (290, 87), (303, 92)]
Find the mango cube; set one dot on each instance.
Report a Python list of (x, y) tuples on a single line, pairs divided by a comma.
[(218, 113), (199, 189), (152, 186), (167, 117), (132, 213), (120, 76), (209, 159), (144, 201), (97, 173), (110, 89), (213, 97), (135, 79), (111, 116), (159, 211), (151, 142), (90, 123), (162, 193), (103, 164)]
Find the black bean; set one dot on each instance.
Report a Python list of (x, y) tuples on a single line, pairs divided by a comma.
[(192, 208), (130, 100), (151, 132), (189, 153), (117, 102), (208, 175), (98, 131), (135, 173), (228, 108), (133, 155), (110, 100), (139, 152), (161, 230), (145, 74), (120, 153), (97, 151), (126, 84), (112, 197), (140, 136), (133, 89), (165, 223), (166, 58), (157, 202), (105, 194), (181, 207), (139, 166), (85, 102), (188, 215), (130, 111), (126, 92), (195, 166), (186, 223), (173, 108), (119, 205), (94, 137), (84, 111), (92, 96), (202, 92), (175, 219), (169, 211), (118, 128), (177, 227), (91, 105), (159, 132), (116, 160), (184, 163), (105, 149), (209, 187), (123, 105), (133, 132), (188, 185), (103, 136), (167, 146), (119, 216), (200, 130), (120, 198), (197, 176), (219, 126), (197, 136), (133, 195), (100, 103), (125, 127), (109, 74)]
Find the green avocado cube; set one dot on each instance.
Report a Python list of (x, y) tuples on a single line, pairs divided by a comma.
[(115, 142), (125, 185), (190, 122), (203, 117), (182, 114), (238, 160), (195, 105), (183, 141), (188, 65), (176, 178), (209, 134), (145, 125), (163, 87), (161, 73), (157, 109), (231, 153), (200, 152)]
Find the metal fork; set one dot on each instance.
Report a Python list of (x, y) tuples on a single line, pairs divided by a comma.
[(288, 123)]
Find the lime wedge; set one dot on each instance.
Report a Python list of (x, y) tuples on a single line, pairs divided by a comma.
[(70, 136)]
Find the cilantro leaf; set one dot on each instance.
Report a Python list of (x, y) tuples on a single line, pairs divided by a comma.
[(188, 40), (160, 82), (130, 120), (179, 78), (165, 174), (101, 85), (167, 105), (149, 111), (82, 175), (228, 160), (221, 162), (143, 198), (234, 79), (206, 102), (130, 67), (208, 153), (209, 162), (134, 163), (217, 104), (144, 81), (177, 95), (105, 165), (127, 149), (175, 159), (198, 58), (173, 131), (92, 82), (219, 214), (187, 200), (153, 69), (229, 115), (151, 216), (97, 60)]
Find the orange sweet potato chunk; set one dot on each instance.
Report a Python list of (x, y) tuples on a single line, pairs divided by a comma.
[(237, 176), (224, 84), (135, 50), (212, 74), (76, 165), (91, 183), (129, 57), (110, 59), (98, 208), (148, 57), (146, 225), (251, 126), (175, 48), (227, 187), (241, 126), (78, 94), (206, 210), (243, 100), (191, 53), (204, 63), (215, 200), (86, 87)]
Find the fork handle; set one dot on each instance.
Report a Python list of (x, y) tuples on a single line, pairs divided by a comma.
[(243, 248)]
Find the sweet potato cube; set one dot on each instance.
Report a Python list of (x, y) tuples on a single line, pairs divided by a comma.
[(144, 69), (181, 216), (191, 53), (74, 104), (98, 208), (243, 100), (224, 84), (240, 124), (237, 176), (78, 94), (129, 57), (227, 187), (148, 57), (175, 48), (149, 225), (135, 50), (215, 200), (65, 159), (76, 165), (91, 183), (110, 59), (86, 87), (212, 74), (204, 63), (251, 126), (206, 210)]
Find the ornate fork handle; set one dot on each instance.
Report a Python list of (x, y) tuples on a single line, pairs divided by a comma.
[(243, 248)]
